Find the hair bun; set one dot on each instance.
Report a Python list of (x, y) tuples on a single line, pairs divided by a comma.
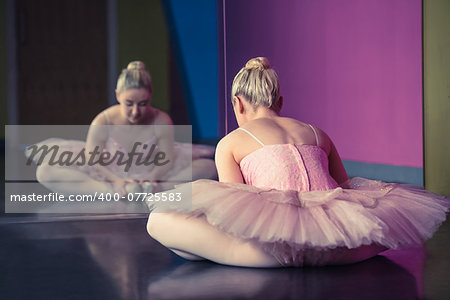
[(260, 63), (136, 65)]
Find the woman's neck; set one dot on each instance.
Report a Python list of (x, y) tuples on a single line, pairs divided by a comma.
[(262, 112)]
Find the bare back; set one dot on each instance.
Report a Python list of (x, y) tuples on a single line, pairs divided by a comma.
[(279, 130)]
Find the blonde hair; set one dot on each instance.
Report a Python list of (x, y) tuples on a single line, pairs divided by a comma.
[(258, 83), (135, 76)]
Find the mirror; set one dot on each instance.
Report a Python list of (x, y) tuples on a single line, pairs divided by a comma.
[(64, 58)]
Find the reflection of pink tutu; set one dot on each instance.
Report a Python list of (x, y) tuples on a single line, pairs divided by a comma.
[(287, 222), (184, 154)]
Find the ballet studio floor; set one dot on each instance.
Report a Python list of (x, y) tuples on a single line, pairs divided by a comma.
[(112, 257), (106, 258)]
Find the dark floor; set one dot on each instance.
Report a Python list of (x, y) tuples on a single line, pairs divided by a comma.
[(116, 259)]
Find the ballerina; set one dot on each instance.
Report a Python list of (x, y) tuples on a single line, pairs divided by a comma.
[(142, 129), (283, 196)]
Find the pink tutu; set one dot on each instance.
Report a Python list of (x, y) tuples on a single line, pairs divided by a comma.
[(295, 210), (287, 223)]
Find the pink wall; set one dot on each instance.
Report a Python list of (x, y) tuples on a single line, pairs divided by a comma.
[(350, 67)]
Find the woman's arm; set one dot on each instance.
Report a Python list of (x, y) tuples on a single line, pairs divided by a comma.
[(165, 134), (96, 140), (227, 167), (336, 168)]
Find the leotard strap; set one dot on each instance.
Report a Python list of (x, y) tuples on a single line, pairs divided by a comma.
[(252, 135), (315, 133)]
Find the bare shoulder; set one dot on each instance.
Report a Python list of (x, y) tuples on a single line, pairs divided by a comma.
[(228, 141), (238, 144), (226, 163), (161, 118), (293, 123), (105, 117), (259, 128), (302, 127), (305, 133), (278, 123), (324, 140), (232, 142), (229, 146), (100, 119), (222, 147)]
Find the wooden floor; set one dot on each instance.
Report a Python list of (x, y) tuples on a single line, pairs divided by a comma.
[(107, 258)]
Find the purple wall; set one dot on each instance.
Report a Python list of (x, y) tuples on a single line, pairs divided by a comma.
[(350, 67)]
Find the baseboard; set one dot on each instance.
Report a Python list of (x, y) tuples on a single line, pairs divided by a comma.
[(388, 173)]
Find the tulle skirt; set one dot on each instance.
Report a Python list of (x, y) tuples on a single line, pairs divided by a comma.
[(299, 227)]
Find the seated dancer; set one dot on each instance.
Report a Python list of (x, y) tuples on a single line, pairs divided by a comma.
[(283, 197), (134, 93)]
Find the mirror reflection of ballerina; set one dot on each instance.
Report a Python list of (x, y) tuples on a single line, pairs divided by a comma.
[(143, 128)]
